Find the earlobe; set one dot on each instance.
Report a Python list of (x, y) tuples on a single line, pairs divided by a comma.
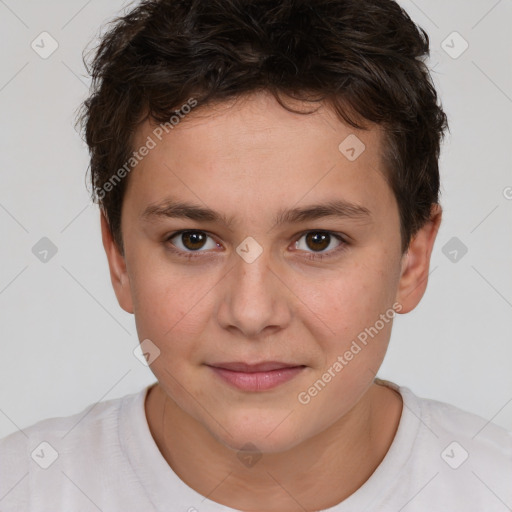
[(416, 263), (117, 266)]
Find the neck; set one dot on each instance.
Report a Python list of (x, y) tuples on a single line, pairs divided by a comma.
[(316, 474)]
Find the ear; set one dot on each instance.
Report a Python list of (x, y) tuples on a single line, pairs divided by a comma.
[(416, 262), (117, 266)]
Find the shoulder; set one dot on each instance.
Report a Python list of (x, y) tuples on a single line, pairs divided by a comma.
[(86, 422), (445, 421), (444, 458), (467, 458), (486, 439), (38, 455)]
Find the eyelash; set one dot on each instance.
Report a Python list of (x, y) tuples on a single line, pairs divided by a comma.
[(312, 256)]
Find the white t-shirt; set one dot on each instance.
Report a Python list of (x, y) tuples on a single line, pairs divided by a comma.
[(104, 459)]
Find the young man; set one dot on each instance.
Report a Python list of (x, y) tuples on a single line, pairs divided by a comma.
[(268, 180)]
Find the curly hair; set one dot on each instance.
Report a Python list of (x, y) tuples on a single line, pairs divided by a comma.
[(364, 58)]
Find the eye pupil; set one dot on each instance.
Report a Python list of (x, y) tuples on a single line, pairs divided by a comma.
[(193, 240), (318, 241)]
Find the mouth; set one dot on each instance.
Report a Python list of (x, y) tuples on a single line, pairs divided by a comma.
[(256, 377)]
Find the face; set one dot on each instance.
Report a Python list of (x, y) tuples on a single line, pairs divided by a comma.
[(250, 237)]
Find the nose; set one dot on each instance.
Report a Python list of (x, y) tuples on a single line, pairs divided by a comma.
[(254, 302)]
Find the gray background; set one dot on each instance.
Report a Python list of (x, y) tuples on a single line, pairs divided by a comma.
[(65, 341)]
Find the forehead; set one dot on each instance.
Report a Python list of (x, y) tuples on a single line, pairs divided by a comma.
[(251, 153)]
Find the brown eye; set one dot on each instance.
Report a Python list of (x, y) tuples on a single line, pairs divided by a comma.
[(192, 241), (318, 241)]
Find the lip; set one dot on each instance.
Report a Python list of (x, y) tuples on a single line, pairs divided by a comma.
[(256, 377), (265, 366)]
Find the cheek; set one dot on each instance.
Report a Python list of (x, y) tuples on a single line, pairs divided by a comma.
[(357, 309), (356, 296), (156, 309), (172, 316), (167, 302)]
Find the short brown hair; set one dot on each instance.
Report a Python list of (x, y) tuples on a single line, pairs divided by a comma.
[(365, 58)]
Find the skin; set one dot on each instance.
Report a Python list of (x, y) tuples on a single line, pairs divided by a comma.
[(248, 160)]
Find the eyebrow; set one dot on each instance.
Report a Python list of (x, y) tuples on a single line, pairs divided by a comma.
[(183, 210)]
